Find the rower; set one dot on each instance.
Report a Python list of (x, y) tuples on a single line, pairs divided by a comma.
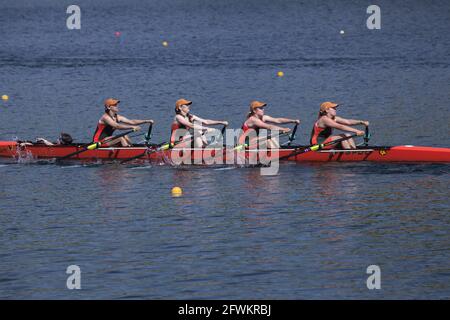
[(323, 127), (256, 120), (185, 120), (111, 121)]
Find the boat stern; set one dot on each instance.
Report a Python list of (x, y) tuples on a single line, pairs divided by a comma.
[(8, 149)]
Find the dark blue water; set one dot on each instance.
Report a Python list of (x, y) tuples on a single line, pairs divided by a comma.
[(309, 232)]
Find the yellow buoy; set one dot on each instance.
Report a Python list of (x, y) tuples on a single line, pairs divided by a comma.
[(280, 73), (165, 43), (176, 191), (5, 97)]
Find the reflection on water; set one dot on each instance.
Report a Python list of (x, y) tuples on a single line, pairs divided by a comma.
[(309, 230)]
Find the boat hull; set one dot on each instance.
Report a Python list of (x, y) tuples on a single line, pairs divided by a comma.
[(10, 149)]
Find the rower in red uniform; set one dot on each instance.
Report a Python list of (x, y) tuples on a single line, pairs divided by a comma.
[(256, 119), (185, 120), (111, 121), (323, 128)]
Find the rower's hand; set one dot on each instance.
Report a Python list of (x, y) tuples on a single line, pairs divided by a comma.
[(297, 121), (366, 123), (150, 121), (285, 130), (136, 128), (206, 130), (225, 123), (360, 133)]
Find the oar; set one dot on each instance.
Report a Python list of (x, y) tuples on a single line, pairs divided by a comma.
[(94, 145), (367, 137), (213, 139), (148, 136), (161, 147), (244, 145), (291, 136), (317, 147)]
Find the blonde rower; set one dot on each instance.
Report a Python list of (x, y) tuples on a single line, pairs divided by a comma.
[(111, 121), (185, 120), (256, 120), (328, 120)]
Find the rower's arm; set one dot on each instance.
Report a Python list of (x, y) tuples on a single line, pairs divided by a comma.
[(264, 125), (116, 125), (351, 122), (199, 122), (334, 124), (281, 120), (133, 122), (210, 122)]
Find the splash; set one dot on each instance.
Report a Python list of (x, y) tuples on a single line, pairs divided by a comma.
[(142, 167), (25, 156), (73, 166), (226, 168)]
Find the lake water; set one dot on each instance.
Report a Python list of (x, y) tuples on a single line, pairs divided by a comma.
[(309, 232)]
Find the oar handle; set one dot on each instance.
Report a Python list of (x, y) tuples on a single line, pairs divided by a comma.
[(366, 136), (213, 138), (148, 136), (222, 133), (292, 135)]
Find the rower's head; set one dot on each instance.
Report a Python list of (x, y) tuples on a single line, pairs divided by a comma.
[(328, 108), (112, 104), (257, 109), (182, 106)]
